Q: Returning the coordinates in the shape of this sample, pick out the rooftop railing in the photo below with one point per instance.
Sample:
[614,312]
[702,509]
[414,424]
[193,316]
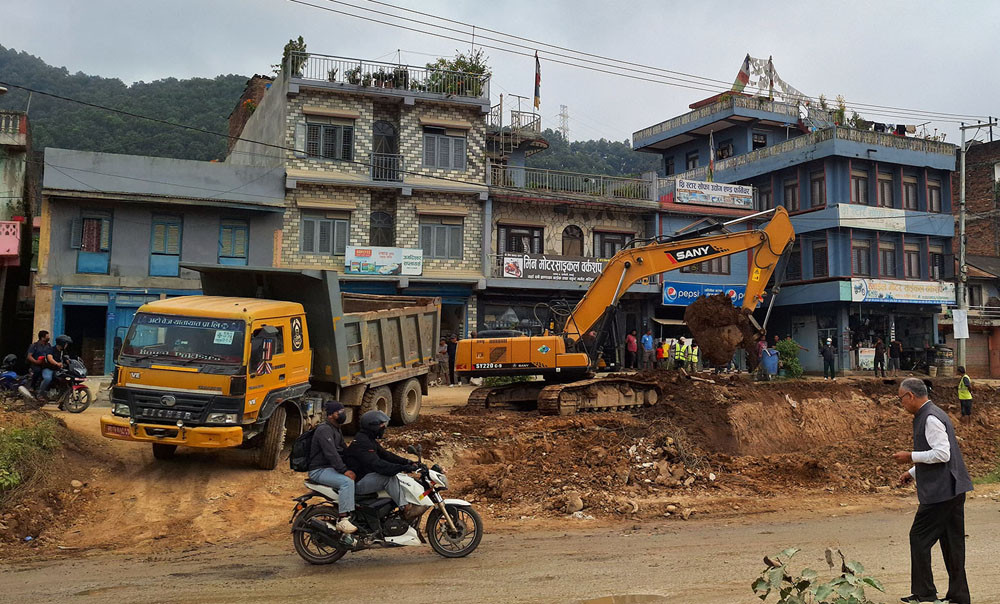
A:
[731,102]
[375,74]
[555,181]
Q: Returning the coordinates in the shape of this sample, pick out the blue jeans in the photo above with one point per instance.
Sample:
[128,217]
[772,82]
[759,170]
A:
[46,380]
[342,484]
[373,483]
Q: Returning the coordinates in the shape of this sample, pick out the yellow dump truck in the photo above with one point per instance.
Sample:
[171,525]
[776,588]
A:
[250,363]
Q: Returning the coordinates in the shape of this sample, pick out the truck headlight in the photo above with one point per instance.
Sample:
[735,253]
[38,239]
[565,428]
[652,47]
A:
[121,410]
[222,418]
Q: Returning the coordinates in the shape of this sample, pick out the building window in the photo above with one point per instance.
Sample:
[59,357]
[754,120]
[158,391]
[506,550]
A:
[234,242]
[791,195]
[691,160]
[887,259]
[165,247]
[759,140]
[321,235]
[936,263]
[725,150]
[975,295]
[933,196]
[817,189]
[766,198]
[91,234]
[520,240]
[572,241]
[381,230]
[861,258]
[793,270]
[607,245]
[884,192]
[330,141]
[859,188]
[909,194]
[821,263]
[668,166]
[442,237]
[716,266]
[911,262]
[442,150]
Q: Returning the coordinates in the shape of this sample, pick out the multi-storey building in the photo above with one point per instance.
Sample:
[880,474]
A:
[17,173]
[384,170]
[116,229]
[871,210]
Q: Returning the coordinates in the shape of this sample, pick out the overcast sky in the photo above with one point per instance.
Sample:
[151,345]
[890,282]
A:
[933,56]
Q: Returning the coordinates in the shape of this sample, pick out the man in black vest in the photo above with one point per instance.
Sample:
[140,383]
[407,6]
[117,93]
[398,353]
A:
[942,482]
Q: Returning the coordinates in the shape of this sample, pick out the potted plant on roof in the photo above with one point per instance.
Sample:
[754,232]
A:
[353,75]
[401,77]
[382,78]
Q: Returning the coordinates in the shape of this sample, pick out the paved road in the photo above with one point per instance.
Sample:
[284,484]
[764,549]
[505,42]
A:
[704,562]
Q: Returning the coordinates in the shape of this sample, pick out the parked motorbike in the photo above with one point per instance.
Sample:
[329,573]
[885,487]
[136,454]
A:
[10,381]
[453,528]
[68,388]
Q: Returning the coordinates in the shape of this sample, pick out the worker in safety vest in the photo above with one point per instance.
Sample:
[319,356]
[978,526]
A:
[681,351]
[693,357]
[965,396]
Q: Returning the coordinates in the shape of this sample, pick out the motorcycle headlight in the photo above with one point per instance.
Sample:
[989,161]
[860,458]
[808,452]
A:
[121,410]
[222,418]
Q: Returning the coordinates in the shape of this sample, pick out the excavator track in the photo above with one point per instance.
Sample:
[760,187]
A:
[597,394]
[521,395]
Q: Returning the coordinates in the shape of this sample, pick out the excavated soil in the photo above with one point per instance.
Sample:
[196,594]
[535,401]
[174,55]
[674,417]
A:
[720,328]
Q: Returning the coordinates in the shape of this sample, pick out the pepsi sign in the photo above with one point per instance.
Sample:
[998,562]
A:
[682,294]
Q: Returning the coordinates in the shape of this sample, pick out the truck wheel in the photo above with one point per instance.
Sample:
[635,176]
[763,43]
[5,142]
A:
[377,399]
[163,452]
[274,441]
[406,399]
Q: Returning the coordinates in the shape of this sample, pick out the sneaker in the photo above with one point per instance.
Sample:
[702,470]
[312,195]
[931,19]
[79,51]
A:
[345,526]
[919,599]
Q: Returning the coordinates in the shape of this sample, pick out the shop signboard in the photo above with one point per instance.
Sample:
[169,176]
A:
[676,293]
[871,217]
[866,359]
[698,192]
[906,292]
[383,261]
[552,268]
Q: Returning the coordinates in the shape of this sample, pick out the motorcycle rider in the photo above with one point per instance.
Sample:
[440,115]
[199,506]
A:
[36,357]
[326,463]
[376,468]
[53,360]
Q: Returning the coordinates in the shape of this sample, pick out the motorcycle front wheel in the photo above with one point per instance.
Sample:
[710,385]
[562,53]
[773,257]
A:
[78,400]
[461,543]
[307,546]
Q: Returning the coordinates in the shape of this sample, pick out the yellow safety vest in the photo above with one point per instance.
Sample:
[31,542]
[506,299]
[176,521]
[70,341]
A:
[693,356]
[683,353]
[963,391]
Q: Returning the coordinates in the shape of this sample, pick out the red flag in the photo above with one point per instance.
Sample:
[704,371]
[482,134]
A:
[538,81]
[743,77]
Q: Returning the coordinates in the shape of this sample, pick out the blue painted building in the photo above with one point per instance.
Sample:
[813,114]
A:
[871,210]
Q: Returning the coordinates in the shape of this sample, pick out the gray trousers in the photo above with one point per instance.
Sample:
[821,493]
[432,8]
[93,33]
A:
[373,483]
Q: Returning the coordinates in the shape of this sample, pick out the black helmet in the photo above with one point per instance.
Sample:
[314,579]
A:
[374,422]
[64,341]
[9,361]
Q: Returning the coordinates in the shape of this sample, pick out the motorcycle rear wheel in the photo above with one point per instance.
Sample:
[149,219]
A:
[78,400]
[470,527]
[312,550]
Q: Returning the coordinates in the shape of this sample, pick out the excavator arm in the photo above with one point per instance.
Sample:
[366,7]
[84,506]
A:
[633,264]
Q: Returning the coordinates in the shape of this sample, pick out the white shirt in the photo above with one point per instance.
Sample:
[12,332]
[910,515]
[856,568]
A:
[937,438]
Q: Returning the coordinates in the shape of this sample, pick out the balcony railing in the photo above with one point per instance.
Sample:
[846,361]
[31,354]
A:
[554,181]
[10,242]
[387,166]
[526,121]
[375,74]
[731,102]
[13,128]
[985,312]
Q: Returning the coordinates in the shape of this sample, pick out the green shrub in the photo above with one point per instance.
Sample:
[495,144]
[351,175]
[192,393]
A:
[20,448]
[846,588]
[788,355]
[503,380]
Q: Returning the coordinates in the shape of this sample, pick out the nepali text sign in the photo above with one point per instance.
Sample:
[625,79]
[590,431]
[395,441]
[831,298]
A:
[681,294]
[554,268]
[383,261]
[907,292]
[713,194]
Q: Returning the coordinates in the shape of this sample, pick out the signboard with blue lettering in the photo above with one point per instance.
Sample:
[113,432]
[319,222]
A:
[682,294]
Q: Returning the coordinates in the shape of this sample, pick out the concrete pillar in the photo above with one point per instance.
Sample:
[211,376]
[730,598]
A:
[843,334]
[515,167]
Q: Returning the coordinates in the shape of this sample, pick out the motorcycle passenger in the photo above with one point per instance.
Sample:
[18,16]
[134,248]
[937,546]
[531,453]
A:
[375,467]
[55,359]
[326,463]
[36,357]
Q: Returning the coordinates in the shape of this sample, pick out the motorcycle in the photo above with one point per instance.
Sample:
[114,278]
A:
[10,381]
[68,388]
[453,528]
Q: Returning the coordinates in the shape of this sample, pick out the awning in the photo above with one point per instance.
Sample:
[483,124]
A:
[669,321]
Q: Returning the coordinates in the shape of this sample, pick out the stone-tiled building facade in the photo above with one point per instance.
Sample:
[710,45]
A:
[397,164]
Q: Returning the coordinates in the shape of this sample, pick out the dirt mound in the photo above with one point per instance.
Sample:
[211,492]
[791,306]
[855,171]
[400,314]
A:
[720,328]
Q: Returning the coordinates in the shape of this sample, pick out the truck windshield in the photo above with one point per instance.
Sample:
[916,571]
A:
[194,340]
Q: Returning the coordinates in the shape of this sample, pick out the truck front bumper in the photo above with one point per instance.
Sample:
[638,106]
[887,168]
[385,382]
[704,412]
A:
[203,436]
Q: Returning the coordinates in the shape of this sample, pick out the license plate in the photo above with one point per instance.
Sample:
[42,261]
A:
[118,430]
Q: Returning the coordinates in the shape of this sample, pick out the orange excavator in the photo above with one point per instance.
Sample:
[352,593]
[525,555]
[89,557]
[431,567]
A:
[567,358]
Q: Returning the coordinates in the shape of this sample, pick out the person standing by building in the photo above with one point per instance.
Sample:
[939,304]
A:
[647,349]
[965,396]
[895,357]
[659,354]
[631,349]
[452,348]
[879,356]
[829,353]
[680,353]
[942,482]
[442,362]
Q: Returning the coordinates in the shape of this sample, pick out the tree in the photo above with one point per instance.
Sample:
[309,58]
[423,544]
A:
[298,59]
[442,78]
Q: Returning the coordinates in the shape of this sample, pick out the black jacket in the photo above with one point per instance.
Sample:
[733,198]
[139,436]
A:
[365,456]
[828,353]
[327,449]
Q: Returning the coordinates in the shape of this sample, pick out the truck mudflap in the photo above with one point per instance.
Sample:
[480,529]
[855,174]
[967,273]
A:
[203,436]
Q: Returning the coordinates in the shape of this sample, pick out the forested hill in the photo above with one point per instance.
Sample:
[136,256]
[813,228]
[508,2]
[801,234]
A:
[592,157]
[201,102]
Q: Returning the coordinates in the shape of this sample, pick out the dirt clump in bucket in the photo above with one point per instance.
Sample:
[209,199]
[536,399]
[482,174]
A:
[720,328]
